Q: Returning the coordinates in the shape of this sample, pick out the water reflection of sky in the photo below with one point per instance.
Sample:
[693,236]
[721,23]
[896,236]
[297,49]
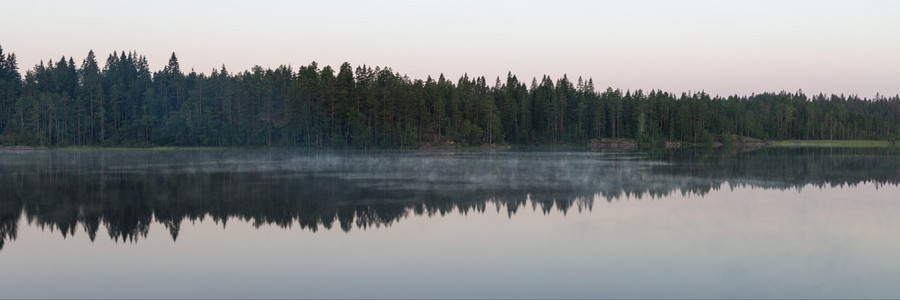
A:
[746,242]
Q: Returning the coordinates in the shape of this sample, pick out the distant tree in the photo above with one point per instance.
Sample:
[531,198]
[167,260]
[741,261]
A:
[124,103]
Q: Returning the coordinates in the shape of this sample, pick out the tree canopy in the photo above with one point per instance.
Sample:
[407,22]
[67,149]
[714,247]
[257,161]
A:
[124,103]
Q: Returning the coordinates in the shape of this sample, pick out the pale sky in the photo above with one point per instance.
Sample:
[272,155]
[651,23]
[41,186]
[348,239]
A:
[722,47]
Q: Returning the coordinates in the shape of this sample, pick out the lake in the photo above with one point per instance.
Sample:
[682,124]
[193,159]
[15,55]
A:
[693,223]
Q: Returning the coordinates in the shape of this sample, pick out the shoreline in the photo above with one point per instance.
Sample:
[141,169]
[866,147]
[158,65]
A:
[774,144]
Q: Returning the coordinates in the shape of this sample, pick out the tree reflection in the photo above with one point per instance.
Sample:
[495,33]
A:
[124,192]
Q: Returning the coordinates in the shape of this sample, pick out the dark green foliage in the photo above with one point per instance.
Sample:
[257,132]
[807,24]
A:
[60,104]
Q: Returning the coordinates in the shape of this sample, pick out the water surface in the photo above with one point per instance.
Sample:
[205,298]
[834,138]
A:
[692,223]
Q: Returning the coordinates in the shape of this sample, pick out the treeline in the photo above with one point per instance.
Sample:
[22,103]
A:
[124,103]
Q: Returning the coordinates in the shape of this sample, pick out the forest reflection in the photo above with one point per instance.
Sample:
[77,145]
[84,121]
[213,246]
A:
[125,191]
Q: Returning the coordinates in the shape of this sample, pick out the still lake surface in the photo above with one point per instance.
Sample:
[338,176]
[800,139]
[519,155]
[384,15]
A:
[779,222]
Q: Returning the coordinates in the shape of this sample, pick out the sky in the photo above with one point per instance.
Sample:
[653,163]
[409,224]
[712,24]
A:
[721,47]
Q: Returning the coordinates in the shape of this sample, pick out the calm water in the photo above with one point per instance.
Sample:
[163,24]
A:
[698,223]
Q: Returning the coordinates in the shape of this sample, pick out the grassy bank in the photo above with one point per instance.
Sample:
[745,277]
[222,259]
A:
[832,143]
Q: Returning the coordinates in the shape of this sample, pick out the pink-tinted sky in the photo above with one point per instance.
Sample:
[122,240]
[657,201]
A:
[722,47]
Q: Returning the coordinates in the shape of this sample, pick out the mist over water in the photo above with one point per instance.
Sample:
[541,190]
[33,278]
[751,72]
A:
[767,223]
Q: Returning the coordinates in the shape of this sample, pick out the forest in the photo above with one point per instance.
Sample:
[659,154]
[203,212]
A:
[124,104]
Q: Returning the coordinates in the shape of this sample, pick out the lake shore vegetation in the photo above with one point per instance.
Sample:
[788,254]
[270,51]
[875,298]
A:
[122,103]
